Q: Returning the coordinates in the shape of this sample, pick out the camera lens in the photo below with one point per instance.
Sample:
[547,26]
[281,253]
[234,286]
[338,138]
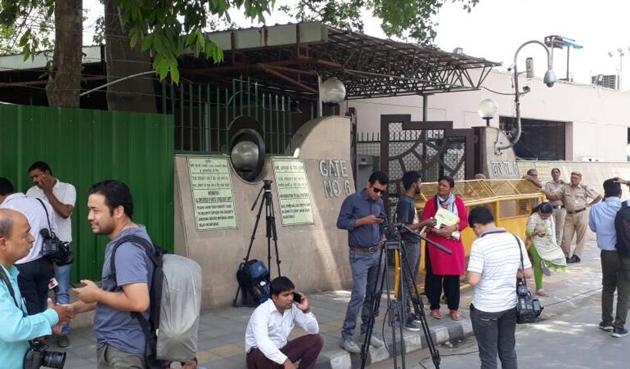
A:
[54,359]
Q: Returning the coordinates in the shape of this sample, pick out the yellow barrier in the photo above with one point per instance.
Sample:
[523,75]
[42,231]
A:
[511,202]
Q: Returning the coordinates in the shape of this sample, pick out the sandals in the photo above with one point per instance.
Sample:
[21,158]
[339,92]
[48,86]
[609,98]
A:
[436,314]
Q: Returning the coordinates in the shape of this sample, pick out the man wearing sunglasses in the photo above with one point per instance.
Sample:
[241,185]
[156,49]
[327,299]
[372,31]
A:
[362,215]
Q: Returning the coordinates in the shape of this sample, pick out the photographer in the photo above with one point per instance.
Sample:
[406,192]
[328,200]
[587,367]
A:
[16,327]
[61,197]
[362,215]
[268,330]
[35,270]
[493,266]
[407,214]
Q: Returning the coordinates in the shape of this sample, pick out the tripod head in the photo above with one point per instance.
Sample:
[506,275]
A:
[394,232]
[265,188]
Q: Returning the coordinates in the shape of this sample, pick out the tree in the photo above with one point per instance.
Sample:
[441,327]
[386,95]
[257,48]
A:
[169,28]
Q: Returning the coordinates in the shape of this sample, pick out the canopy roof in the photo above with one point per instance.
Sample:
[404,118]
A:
[290,57]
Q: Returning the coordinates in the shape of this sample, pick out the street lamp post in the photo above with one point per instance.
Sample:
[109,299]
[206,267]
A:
[620,71]
[487,109]
[549,79]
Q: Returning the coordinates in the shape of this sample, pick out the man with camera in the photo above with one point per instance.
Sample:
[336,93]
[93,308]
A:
[35,268]
[362,215]
[407,214]
[62,197]
[266,337]
[18,330]
[493,268]
[121,342]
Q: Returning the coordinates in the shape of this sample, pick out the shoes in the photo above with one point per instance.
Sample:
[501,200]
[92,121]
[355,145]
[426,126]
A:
[541,292]
[573,259]
[455,315]
[350,346]
[619,332]
[63,341]
[411,325]
[606,327]
[374,341]
[436,314]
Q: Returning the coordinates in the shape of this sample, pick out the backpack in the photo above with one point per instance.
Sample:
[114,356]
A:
[175,304]
[253,280]
[622,228]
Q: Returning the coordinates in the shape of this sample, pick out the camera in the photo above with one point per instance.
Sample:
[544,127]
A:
[54,249]
[528,308]
[38,356]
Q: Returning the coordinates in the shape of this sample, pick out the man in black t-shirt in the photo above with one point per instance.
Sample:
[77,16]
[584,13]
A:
[407,214]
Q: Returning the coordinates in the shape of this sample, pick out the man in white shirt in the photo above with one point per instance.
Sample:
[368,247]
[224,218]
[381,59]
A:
[62,197]
[35,270]
[493,266]
[266,338]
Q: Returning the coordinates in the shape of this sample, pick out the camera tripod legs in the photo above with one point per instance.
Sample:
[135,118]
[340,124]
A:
[395,315]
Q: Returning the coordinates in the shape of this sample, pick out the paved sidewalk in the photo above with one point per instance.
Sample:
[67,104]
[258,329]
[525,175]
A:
[221,332]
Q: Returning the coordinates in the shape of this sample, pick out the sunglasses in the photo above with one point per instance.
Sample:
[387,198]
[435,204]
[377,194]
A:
[378,190]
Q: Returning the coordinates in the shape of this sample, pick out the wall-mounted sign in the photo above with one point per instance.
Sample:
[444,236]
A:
[212,192]
[293,194]
[503,170]
[335,176]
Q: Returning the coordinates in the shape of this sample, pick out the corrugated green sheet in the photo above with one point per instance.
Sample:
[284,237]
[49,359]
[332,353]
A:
[87,146]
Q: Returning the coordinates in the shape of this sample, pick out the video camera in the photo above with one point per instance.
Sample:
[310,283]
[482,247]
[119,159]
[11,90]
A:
[38,356]
[54,249]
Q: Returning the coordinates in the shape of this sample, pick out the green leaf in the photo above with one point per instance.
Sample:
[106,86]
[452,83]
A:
[175,74]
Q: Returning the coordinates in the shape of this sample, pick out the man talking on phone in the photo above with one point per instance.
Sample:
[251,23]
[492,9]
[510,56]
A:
[361,215]
[266,338]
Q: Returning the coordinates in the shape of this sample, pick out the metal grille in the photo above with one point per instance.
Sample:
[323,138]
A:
[203,114]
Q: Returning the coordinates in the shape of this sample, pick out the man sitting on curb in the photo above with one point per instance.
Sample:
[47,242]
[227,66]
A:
[270,326]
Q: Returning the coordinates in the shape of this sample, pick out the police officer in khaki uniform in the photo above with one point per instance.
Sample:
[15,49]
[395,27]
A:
[559,212]
[574,198]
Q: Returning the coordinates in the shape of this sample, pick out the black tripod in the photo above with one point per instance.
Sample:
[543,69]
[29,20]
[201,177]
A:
[395,316]
[270,224]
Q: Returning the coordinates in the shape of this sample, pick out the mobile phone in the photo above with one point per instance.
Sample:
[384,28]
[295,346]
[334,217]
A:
[381,216]
[297,297]
[77,285]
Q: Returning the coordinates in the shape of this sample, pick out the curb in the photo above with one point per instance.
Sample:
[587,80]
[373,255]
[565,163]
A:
[341,359]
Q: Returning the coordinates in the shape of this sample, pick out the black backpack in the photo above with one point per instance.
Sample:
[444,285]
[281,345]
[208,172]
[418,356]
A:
[253,279]
[622,228]
[151,326]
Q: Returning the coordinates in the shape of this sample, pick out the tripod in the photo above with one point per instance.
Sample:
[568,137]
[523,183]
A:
[270,227]
[395,315]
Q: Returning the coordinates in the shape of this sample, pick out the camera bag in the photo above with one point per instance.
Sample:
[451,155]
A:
[528,307]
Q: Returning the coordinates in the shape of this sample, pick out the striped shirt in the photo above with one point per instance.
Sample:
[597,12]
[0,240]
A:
[495,256]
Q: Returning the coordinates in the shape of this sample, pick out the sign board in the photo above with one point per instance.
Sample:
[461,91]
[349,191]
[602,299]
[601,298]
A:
[293,194]
[211,187]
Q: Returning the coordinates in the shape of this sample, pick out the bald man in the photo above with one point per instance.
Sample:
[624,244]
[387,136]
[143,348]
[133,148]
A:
[16,326]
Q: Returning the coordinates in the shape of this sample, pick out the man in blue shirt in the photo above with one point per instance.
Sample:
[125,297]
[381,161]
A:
[602,222]
[16,327]
[119,336]
[407,214]
[361,215]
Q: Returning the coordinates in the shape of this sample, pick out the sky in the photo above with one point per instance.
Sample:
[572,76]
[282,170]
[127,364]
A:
[496,28]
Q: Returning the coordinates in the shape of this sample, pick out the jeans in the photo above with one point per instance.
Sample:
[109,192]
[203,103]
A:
[615,276]
[33,282]
[495,336]
[412,252]
[365,274]
[62,296]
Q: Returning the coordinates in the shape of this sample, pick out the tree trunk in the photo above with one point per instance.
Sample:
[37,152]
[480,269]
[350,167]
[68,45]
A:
[64,80]
[135,94]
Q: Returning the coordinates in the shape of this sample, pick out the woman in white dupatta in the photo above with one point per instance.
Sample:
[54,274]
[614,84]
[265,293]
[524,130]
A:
[546,253]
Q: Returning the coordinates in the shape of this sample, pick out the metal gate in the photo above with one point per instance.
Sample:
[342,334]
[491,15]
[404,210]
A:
[431,148]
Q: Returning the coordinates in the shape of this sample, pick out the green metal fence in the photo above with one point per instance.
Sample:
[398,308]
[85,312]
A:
[87,146]
[203,112]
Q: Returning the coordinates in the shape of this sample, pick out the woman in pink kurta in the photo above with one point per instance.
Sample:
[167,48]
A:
[443,270]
